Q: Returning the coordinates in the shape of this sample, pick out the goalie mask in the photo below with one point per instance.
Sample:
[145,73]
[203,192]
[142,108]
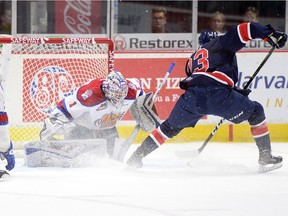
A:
[115,87]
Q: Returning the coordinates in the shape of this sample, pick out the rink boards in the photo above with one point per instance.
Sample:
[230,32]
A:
[269,88]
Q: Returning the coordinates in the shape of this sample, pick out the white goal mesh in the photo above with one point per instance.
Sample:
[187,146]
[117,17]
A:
[42,71]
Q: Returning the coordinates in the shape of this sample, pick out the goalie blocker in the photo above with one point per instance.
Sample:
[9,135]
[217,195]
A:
[144,112]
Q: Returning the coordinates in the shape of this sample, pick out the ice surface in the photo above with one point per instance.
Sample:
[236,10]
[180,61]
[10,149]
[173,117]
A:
[222,181]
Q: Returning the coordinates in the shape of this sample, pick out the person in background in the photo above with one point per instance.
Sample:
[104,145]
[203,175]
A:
[217,23]
[159,20]
[5,22]
[251,14]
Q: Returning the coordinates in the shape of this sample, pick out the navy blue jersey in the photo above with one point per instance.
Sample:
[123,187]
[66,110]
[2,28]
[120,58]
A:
[215,62]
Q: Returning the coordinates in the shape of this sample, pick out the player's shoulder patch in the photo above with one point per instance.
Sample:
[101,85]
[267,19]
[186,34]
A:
[90,94]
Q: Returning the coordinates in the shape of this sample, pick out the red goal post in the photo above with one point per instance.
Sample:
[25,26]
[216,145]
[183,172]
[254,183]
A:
[41,71]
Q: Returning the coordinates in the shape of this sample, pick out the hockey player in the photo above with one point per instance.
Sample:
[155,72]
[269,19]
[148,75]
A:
[6,146]
[91,113]
[212,73]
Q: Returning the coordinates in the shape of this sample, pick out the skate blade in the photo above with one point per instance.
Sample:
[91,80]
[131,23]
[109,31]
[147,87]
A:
[269,167]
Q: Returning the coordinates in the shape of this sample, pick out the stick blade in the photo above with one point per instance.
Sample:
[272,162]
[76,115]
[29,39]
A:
[187,154]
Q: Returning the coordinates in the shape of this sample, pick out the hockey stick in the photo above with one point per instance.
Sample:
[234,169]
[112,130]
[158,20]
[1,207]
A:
[195,153]
[126,145]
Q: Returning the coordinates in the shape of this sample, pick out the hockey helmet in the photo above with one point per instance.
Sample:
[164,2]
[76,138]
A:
[115,87]
[207,36]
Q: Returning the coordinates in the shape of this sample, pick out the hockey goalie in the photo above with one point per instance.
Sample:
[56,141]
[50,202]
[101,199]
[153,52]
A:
[82,126]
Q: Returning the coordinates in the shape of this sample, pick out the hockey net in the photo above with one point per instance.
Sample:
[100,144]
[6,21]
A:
[41,71]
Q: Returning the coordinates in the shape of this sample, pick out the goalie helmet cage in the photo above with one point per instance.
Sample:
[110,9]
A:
[44,70]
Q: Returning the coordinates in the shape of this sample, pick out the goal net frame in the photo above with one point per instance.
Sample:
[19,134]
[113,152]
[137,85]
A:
[41,71]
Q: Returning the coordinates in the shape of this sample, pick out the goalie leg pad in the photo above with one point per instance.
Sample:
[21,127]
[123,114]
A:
[63,153]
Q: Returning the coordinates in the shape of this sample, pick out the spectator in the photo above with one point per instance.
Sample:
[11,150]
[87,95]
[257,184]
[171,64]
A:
[159,20]
[251,14]
[5,20]
[217,23]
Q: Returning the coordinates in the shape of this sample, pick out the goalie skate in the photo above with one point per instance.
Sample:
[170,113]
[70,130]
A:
[268,162]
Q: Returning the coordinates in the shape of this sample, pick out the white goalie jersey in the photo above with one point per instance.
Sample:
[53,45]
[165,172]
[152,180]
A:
[86,120]
[89,107]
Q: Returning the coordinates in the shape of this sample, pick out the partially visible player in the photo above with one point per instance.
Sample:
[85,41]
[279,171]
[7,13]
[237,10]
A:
[6,146]
[212,73]
[92,113]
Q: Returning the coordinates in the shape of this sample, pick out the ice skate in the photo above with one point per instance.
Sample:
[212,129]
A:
[9,156]
[268,162]
[142,151]
[3,175]
[135,160]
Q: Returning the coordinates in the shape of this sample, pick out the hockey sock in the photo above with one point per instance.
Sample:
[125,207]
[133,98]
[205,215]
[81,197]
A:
[263,143]
[146,147]
[261,135]
[152,142]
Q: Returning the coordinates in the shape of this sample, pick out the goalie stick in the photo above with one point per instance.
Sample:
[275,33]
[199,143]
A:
[196,152]
[126,145]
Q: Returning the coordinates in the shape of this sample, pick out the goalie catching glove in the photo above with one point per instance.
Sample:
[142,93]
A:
[142,111]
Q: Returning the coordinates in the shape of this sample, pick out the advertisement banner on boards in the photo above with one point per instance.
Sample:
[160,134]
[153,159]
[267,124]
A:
[168,41]
[149,41]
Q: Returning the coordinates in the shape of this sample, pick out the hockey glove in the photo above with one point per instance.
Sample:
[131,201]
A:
[51,127]
[143,112]
[276,38]
[244,92]
[184,84]
[9,156]
[60,117]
